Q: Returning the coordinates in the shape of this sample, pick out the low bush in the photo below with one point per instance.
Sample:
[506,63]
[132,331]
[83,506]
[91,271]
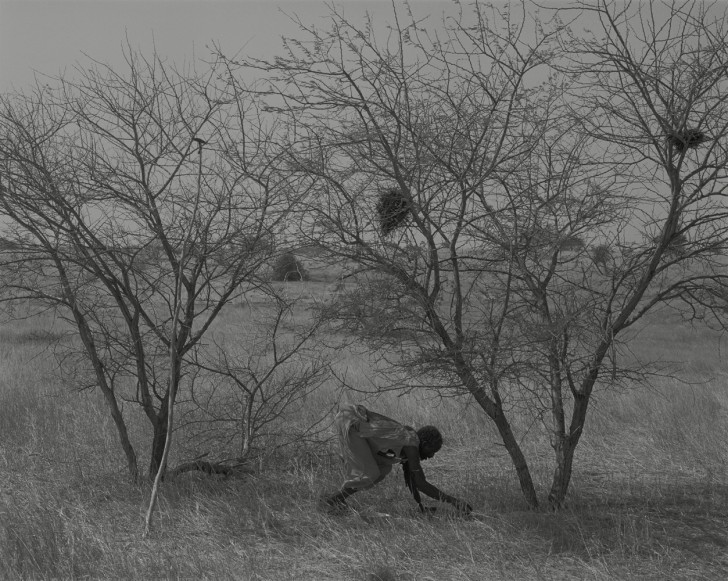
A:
[288,268]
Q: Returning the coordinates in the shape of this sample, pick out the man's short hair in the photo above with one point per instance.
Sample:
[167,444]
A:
[430,436]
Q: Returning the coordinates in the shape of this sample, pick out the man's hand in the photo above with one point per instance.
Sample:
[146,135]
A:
[461,506]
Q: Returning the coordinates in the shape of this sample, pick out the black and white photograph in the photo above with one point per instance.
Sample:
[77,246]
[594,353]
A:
[364,290]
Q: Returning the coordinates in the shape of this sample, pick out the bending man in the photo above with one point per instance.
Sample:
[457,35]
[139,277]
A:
[372,443]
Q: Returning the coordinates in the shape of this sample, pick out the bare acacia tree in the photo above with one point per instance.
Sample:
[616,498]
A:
[651,89]
[139,204]
[250,382]
[454,170]
[439,121]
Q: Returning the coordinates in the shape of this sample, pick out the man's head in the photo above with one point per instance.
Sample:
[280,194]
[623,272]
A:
[430,441]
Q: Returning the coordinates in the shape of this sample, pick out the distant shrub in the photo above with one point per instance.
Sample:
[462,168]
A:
[288,268]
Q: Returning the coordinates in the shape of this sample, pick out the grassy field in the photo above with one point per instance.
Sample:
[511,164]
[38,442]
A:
[649,498]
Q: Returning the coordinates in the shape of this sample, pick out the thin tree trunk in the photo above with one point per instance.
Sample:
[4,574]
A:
[565,444]
[560,442]
[165,429]
[518,459]
[562,473]
[247,430]
[492,408]
[116,415]
[159,438]
[89,344]
[495,412]
[174,354]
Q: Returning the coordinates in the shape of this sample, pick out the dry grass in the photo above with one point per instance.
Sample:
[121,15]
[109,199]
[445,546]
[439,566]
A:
[649,498]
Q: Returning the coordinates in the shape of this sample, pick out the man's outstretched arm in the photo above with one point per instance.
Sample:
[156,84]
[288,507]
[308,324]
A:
[417,478]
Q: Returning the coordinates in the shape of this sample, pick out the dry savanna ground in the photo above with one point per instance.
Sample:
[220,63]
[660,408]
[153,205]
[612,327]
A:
[649,498]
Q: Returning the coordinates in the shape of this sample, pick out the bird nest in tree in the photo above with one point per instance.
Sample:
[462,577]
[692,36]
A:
[393,209]
[687,139]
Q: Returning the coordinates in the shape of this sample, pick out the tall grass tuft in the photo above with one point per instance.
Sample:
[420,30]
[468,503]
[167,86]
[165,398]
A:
[42,537]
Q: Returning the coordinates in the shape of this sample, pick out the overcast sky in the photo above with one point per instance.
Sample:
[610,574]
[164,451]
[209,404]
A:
[49,36]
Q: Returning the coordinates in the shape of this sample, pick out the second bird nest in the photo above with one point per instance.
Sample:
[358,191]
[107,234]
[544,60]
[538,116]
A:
[687,139]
